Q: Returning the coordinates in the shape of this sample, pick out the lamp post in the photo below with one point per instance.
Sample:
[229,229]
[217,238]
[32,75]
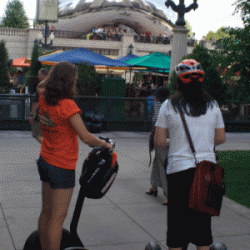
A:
[48,37]
[179,45]
[181,9]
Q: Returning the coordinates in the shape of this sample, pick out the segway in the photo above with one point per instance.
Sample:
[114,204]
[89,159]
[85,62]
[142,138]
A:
[152,245]
[98,173]
[218,246]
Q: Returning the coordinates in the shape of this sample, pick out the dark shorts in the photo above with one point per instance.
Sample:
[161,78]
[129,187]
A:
[184,225]
[58,178]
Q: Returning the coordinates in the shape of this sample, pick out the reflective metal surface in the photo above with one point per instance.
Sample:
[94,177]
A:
[138,15]
[68,7]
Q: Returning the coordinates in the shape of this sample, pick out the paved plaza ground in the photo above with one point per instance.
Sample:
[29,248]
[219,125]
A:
[126,218]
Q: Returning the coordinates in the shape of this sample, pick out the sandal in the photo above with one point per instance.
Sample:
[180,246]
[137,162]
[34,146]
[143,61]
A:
[164,203]
[152,191]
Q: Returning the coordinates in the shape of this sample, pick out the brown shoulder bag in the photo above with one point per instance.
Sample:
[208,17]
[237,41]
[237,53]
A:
[208,187]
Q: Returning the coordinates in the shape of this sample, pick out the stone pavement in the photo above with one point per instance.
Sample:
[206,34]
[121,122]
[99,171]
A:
[125,219]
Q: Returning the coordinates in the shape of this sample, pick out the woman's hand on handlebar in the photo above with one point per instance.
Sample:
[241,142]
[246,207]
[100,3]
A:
[107,145]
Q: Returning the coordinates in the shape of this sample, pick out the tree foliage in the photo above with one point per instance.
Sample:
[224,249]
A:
[15,16]
[4,79]
[219,34]
[235,59]
[88,82]
[210,35]
[243,6]
[35,65]
[31,80]
[189,28]
[212,84]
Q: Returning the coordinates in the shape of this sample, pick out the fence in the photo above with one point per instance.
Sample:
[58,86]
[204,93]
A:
[119,114]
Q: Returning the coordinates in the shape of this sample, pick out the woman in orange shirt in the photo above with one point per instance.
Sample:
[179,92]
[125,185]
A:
[61,124]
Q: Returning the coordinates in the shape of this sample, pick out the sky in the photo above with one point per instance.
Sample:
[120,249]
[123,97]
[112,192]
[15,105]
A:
[210,15]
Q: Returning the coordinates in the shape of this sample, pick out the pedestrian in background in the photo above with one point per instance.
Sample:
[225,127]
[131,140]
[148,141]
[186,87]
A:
[34,121]
[19,79]
[158,174]
[61,124]
[205,122]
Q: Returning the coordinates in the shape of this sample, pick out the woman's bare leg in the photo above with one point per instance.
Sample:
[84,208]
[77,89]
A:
[45,215]
[39,139]
[60,200]
[203,247]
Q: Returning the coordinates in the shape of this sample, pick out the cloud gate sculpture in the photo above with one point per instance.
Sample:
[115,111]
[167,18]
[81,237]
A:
[138,15]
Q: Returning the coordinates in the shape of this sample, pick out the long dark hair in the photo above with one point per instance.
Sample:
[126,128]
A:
[60,83]
[192,99]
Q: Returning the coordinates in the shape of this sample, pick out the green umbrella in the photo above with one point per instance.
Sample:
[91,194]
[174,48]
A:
[157,61]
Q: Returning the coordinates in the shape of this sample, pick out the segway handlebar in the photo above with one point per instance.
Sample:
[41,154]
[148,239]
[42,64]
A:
[110,141]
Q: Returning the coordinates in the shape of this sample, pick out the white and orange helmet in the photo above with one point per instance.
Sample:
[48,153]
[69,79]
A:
[189,69]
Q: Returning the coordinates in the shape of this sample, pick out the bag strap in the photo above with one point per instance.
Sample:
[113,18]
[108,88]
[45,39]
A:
[187,132]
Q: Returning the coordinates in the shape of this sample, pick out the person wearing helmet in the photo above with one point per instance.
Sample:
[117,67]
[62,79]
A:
[206,126]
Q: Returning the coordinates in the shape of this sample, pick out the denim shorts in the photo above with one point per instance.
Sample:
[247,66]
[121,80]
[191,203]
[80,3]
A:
[58,178]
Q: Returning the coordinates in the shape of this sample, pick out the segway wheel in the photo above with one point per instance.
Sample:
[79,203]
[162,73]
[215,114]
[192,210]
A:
[32,242]
[68,241]
[152,246]
[75,248]
[218,246]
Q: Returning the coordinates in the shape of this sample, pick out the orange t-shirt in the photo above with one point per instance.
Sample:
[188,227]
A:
[60,140]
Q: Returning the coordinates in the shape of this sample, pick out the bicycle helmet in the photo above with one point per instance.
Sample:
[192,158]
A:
[189,69]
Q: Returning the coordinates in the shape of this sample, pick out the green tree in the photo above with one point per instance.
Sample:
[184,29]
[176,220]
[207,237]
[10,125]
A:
[15,16]
[35,65]
[189,28]
[210,35]
[221,33]
[213,83]
[4,79]
[235,60]
[31,79]
[243,6]
[88,82]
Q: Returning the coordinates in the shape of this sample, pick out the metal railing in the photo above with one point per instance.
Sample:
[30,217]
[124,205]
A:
[88,36]
[116,37]
[18,106]
[15,108]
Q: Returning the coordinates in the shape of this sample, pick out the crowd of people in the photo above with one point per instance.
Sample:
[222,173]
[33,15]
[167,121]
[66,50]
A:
[17,79]
[107,34]
[148,38]
[60,125]
[116,33]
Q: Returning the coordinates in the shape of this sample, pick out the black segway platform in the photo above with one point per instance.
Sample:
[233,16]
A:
[98,173]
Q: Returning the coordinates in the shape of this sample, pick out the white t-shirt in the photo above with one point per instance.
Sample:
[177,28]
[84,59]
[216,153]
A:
[202,130]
